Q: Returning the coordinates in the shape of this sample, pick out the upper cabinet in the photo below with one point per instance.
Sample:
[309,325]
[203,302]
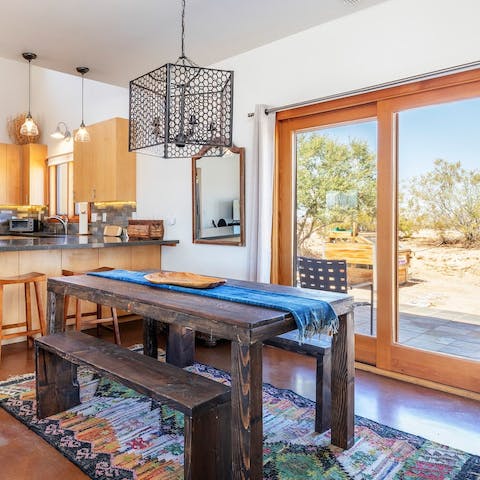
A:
[22,174]
[34,176]
[104,169]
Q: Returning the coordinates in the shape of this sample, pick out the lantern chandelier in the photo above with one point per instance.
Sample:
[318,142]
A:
[177,109]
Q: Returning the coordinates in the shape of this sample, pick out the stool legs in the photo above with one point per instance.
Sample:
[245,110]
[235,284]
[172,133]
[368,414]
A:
[28,314]
[26,279]
[1,319]
[116,329]
[41,311]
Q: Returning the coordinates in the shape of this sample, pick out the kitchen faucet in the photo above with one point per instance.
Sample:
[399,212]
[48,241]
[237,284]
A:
[62,220]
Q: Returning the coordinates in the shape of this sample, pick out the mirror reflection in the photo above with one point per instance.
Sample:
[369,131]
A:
[218,203]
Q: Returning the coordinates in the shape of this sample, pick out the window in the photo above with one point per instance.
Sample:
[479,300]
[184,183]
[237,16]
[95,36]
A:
[60,186]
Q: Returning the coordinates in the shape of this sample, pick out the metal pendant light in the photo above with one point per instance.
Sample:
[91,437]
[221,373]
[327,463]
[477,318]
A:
[29,127]
[177,109]
[82,134]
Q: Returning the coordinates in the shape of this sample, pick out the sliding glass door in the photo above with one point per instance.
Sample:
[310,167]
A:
[389,181]
[336,203]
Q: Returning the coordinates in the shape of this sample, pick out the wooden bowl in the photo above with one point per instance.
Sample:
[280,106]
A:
[184,279]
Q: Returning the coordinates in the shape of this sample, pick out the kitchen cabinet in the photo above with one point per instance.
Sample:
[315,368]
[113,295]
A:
[104,169]
[34,175]
[10,175]
[22,174]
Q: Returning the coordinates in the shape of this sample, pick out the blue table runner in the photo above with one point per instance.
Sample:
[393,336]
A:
[311,315]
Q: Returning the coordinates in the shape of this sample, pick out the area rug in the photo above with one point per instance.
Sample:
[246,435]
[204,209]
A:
[119,434]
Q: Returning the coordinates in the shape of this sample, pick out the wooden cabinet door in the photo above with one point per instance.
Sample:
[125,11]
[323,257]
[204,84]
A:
[103,141]
[104,169]
[15,193]
[83,172]
[34,166]
[3,173]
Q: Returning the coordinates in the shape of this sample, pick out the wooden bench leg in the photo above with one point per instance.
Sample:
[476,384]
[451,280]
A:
[57,385]
[208,454]
[323,399]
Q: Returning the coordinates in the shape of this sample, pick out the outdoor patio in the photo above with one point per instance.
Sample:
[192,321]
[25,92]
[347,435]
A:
[431,329]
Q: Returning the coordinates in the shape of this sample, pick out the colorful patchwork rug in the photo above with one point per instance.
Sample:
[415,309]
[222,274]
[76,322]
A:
[119,434]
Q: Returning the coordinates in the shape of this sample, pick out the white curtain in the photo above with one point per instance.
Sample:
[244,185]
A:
[259,181]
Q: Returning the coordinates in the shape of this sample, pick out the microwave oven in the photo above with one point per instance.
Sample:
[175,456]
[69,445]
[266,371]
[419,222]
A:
[24,225]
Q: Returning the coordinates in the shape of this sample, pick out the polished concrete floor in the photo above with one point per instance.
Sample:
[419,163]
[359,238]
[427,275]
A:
[438,416]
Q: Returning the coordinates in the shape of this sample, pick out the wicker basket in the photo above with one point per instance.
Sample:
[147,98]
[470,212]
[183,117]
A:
[13,127]
[145,229]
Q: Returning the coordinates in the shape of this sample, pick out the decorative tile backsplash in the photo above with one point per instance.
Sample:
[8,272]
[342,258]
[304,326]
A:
[115,213]
[6,213]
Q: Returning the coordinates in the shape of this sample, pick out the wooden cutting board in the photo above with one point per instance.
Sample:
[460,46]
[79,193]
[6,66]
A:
[112,231]
[184,279]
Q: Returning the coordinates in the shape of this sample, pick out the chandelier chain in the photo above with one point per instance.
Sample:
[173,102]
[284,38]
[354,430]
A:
[183,29]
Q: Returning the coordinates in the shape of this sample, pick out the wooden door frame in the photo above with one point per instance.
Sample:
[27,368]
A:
[382,351]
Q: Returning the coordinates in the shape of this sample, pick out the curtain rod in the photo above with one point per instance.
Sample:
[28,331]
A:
[380,86]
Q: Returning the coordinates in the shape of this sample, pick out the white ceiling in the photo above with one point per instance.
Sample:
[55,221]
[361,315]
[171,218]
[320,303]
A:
[122,39]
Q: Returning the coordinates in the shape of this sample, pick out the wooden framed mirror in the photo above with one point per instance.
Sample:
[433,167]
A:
[218,203]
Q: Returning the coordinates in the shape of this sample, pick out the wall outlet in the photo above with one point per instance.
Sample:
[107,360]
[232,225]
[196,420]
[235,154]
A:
[104,217]
[171,221]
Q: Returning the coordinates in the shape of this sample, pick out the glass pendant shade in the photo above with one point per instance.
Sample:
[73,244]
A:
[29,127]
[82,134]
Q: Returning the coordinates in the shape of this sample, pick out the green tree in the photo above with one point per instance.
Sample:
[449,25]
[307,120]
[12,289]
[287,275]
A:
[325,166]
[447,198]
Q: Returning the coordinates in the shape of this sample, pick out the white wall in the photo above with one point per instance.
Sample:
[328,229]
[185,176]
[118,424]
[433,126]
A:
[392,40]
[389,41]
[55,97]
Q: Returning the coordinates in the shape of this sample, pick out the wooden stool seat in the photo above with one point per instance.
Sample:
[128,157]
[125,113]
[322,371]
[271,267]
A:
[98,320]
[26,279]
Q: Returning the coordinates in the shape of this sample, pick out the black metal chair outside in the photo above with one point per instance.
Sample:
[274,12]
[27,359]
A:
[330,275]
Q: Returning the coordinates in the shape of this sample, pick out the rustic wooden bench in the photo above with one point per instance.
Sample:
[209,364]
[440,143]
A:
[320,348]
[205,403]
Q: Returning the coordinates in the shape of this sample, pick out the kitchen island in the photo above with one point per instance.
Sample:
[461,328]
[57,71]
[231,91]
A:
[25,253]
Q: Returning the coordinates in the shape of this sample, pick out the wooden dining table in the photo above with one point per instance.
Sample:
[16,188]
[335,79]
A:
[245,326]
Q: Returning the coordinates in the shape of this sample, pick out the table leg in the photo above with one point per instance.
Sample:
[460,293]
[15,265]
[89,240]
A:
[55,319]
[247,426]
[180,346]
[343,383]
[150,340]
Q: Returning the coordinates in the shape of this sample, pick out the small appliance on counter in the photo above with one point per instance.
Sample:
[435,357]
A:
[25,225]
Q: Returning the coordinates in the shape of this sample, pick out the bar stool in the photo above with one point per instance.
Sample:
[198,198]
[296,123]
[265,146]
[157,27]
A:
[26,279]
[79,321]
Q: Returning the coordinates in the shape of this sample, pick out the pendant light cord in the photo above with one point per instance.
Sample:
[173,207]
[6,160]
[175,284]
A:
[29,85]
[83,77]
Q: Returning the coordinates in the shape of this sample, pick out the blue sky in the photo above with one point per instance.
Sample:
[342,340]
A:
[450,131]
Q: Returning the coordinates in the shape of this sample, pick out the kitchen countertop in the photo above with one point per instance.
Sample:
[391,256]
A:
[9,242]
